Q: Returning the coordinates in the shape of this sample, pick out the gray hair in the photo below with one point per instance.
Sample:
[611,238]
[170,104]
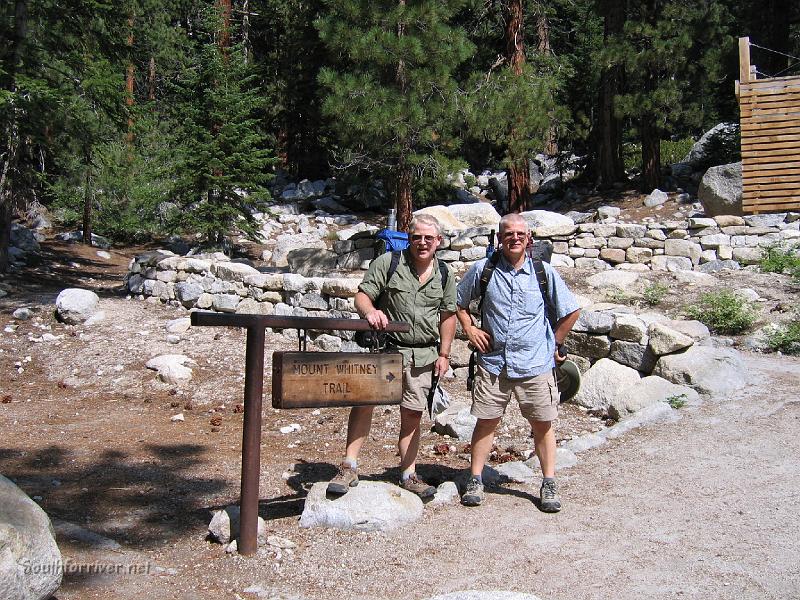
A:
[512,217]
[425,219]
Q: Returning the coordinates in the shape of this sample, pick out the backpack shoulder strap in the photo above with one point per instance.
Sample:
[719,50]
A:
[393,265]
[541,279]
[486,275]
[443,272]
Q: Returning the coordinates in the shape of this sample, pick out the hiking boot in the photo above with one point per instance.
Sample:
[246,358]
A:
[548,497]
[416,486]
[473,494]
[346,478]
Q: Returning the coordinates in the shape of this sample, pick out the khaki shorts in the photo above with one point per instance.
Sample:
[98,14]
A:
[537,396]
[416,385]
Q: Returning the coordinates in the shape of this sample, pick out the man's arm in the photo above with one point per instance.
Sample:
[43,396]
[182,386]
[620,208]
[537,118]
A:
[376,317]
[563,327]
[476,336]
[447,331]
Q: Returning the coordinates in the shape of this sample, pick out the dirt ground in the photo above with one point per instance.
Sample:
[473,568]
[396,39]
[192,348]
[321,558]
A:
[701,508]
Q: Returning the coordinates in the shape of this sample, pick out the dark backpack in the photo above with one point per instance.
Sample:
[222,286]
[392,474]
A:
[375,339]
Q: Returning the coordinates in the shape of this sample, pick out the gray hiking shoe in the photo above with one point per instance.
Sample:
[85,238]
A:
[473,494]
[548,497]
[346,478]
[416,486]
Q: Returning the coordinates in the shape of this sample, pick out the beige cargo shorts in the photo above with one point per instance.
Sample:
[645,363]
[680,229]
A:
[537,396]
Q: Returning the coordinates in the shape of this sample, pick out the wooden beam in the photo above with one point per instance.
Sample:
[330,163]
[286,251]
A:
[744,59]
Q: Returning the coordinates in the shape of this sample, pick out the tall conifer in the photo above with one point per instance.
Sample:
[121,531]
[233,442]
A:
[392,96]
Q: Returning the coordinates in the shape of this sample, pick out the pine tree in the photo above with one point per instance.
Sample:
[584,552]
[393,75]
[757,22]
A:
[223,159]
[391,96]
[662,48]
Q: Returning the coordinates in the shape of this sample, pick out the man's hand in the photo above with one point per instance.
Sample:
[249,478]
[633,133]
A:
[560,358]
[441,366]
[479,338]
[377,319]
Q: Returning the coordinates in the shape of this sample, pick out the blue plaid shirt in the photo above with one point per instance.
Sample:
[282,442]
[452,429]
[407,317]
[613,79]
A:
[514,315]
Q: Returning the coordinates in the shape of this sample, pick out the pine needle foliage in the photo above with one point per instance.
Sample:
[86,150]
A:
[223,160]
[391,94]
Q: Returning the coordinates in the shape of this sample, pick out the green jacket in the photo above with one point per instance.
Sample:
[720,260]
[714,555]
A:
[418,305]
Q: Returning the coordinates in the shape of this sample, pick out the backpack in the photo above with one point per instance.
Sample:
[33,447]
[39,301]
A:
[389,240]
[375,339]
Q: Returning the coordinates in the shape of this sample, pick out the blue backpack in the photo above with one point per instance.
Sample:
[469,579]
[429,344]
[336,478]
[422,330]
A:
[389,240]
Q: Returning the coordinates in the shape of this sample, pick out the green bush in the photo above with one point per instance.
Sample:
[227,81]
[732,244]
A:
[654,294]
[675,151]
[778,259]
[724,312]
[785,339]
[677,401]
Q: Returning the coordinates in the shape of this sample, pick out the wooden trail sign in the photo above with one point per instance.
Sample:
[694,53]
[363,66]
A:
[327,379]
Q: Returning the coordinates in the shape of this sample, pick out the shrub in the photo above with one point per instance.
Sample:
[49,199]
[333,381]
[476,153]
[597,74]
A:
[724,312]
[654,294]
[777,259]
[677,401]
[785,339]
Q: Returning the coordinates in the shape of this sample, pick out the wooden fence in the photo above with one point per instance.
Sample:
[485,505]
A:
[770,127]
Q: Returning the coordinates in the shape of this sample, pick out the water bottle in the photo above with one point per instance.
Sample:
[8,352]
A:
[391,222]
[490,248]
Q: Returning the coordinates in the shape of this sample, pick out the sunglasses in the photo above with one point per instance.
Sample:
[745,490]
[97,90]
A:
[428,239]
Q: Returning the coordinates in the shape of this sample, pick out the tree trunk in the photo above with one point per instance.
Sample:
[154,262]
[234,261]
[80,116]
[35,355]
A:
[88,201]
[401,195]
[129,85]
[517,173]
[225,27]
[608,137]
[246,30]
[651,154]
[543,47]
[11,136]
[403,176]
[151,80]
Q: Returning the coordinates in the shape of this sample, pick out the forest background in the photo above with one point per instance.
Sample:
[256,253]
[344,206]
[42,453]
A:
[137,118]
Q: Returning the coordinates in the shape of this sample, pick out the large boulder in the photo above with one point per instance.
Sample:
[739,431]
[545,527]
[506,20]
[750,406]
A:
[446,218]
[600,383]
[370,506]
[29,556]
[714,371]
[288,242]
[475,215]
[720,190]
[715,144]
[74,305]
[23,238]
[312,262]
[645,392]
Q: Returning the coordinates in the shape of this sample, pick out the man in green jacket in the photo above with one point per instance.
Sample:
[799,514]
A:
[415,294]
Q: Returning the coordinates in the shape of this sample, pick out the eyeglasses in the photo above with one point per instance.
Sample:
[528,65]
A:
[428,239]
[514,234]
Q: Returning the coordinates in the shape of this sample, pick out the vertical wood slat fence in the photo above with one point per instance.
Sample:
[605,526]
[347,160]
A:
[770,128]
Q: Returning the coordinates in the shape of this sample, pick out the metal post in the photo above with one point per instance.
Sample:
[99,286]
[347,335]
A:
[251,440]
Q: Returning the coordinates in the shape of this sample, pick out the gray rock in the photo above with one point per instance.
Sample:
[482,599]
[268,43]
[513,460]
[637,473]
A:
[29,554]
[585,442]
[660,411]
[599,384]
[22,314]
[594,321]
[226,302]
[312,262]
[23,238]
[608,212]
[188,292]
[618,279]
[665,340]
[565,458]
[514,470]
[645,392]
[772,220]
[634,355]
[628,328]
[709,370]
[455,421]
[171,368]
[694,329]
[288,242]
[590,346]
[701,149]
[671,263]
[695,278]
[720,190]
[371,506]
[224,526]
[74,305]
[446,493]
[656,198]
[475,215]
[715,266]
[181,325]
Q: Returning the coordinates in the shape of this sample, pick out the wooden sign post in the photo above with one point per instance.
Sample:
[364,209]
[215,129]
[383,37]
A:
[305,379]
